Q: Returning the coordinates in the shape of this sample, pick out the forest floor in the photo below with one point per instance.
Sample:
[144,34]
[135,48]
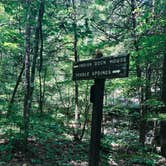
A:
[50,144]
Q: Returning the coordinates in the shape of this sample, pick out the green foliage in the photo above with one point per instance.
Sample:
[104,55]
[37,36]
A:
[105,25]
[154,104]
[142,161]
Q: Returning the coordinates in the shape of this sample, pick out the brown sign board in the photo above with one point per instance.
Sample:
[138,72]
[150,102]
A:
[102,68]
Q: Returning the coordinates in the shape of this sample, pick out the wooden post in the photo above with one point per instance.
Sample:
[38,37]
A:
[97,95]
[97,111]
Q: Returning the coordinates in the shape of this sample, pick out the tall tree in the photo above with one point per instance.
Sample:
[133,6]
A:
[41,86]
[38,36]
[27,72]
[76,136]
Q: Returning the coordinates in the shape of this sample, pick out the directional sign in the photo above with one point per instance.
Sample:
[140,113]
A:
[105,67]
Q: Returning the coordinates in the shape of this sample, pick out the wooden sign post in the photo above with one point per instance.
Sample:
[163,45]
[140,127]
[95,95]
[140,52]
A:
[96,121]
[99,69]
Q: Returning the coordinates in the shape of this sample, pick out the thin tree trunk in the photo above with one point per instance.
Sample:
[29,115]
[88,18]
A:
[148,82]
[15,90]
[60,93]
[85,121]
[87,106]
[65,106]
[41,96]
[42,91]
[27,75]
[36,47]
[76,137]
[163,98]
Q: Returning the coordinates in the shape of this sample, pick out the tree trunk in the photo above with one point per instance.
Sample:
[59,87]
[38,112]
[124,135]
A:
[76,136]
[36,47]
[42,92]
[86,112]
[15,90]
[147,94]
[41,96]
[27,75]
[148,82]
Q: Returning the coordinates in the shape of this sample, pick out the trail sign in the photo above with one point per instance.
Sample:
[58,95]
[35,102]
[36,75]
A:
[99,69]
[105,67]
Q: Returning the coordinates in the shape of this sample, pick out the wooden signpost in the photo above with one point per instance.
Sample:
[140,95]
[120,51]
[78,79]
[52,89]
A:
[99,69]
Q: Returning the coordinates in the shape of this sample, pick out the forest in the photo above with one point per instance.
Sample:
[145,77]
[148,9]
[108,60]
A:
[48,117]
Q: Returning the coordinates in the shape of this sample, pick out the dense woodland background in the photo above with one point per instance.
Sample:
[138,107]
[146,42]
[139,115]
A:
[45,117]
